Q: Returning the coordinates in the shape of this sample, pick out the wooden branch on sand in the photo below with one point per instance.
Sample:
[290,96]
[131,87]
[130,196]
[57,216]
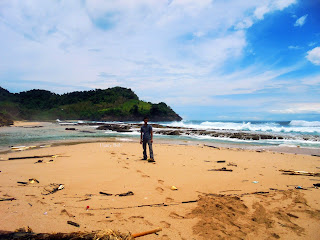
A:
[302,173]
[23,234]
[136,235]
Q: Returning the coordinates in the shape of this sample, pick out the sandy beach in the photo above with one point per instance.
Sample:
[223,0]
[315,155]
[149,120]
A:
[253,201]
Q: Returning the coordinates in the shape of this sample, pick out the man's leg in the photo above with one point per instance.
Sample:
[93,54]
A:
[144,145]
[150,149]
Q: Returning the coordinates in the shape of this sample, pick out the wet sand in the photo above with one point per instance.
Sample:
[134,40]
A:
[207,204]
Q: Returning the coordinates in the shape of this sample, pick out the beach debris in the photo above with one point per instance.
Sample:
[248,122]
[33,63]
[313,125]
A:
[7,199]
[221,161]
[24,183]
[70,129]
[87,208]
[104,193]
[174,188]
[221,169]
[73,223]
[129,193]
[30,181]
[291,215]
[25,230]
[82,200]
[52,188]
[45,146]
[211,146]
[33,180]
[255,181]
[94,235]
[45,213]
[28,157]
[260,192]
[39,161]
[298,187]
[136,235]
[232,164]
[316,184]
[302,173]
[21,148]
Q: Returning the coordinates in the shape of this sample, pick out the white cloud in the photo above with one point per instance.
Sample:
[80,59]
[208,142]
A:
[301,21]
[148,45]
[294,47]
[313,80]
[314,56]
[308,107]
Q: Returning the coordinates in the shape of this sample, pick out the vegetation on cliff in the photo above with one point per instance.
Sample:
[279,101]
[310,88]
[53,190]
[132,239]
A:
[118,104]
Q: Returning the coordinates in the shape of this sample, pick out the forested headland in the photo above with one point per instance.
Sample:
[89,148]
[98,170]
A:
[112,104]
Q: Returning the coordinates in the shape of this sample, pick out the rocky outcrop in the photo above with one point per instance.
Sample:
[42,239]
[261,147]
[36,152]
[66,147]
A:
[115,127]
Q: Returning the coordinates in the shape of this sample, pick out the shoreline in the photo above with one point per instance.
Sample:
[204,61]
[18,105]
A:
[251,191]
[158,139]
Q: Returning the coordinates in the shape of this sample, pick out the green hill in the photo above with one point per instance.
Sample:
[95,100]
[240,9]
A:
[112,104]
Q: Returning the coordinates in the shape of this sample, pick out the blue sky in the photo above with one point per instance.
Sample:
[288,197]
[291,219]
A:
[220,60]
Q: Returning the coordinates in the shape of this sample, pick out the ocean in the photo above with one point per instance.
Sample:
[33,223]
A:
[295,133]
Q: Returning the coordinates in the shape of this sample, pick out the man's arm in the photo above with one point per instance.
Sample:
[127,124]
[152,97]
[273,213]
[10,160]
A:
[151,131]
[141,137]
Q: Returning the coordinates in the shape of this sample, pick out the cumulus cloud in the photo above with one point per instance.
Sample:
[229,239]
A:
[314,56]
[153,46]
[301,21]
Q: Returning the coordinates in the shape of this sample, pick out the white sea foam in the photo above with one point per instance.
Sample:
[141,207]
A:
[294,126]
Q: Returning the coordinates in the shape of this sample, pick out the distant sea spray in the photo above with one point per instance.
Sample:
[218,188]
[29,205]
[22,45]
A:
[294,126]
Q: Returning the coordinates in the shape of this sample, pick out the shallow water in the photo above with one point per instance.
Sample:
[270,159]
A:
[55,132]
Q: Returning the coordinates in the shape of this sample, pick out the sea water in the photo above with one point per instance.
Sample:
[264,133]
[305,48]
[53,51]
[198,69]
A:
[294,133]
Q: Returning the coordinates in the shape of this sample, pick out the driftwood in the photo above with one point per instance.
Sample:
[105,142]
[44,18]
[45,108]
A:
[101,235]
[43,156]
[22,234]
[7,199]
[136,235]
[221,169]
[302,173]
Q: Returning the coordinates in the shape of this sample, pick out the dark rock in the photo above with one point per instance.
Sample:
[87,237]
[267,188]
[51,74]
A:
[70,129]
[174,133]
[115,127]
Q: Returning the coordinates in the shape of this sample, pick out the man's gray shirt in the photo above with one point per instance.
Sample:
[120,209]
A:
[146,132]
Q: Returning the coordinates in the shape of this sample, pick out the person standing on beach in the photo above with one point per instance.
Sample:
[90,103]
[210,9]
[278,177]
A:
[146,137]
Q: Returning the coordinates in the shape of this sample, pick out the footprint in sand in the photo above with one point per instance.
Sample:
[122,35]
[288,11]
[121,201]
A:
[159,189]
[164,224]
[135,218]
[145,176]
[165,237]
[147,222]
[160,181]
[170,200]
[175,215]
[138,171]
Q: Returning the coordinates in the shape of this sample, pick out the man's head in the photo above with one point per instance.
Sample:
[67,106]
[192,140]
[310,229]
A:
[145,119]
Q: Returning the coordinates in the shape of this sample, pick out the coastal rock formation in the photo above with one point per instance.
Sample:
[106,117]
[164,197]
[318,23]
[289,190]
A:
[179,131]
[115,127]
